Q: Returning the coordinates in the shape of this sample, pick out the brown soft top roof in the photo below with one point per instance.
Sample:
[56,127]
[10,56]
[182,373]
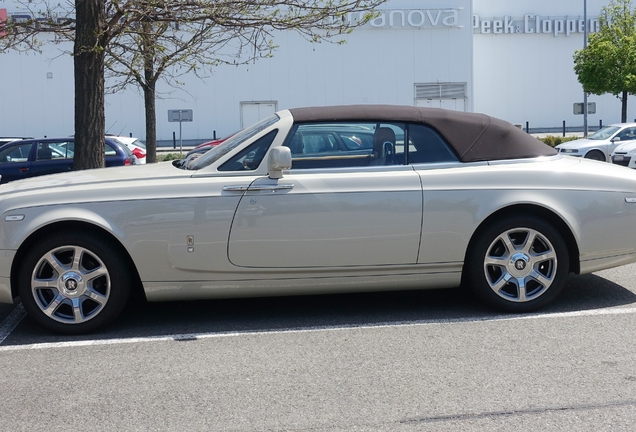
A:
[475,137]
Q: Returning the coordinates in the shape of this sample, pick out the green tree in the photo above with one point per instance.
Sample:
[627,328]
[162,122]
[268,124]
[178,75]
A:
[143,41]
[608,63]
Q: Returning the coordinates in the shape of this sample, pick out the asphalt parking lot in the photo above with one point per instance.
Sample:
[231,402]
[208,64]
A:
[420,360]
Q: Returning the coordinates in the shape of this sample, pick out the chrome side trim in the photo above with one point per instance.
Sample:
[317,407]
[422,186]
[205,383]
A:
[180,290]
[14,218]
[589,266]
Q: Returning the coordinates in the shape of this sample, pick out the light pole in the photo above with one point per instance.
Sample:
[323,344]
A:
[584,46]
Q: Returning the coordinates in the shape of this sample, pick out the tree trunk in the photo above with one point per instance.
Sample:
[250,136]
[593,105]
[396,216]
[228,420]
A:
[90,123]
[151,122]
[624,107]
[149,87]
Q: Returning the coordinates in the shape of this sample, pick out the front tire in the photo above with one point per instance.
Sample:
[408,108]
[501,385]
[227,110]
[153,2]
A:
[595,155]
[74,282]
[517,264]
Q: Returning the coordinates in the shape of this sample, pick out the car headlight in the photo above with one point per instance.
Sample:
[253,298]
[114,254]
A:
[569,150]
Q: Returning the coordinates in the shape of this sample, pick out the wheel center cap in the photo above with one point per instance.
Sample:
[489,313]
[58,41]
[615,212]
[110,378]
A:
[519,264]
[71,283]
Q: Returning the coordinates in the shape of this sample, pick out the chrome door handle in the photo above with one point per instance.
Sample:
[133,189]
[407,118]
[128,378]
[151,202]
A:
[235,188]
[271,188]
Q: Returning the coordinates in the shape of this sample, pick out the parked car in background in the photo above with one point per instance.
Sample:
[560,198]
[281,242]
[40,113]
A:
[134,145]
[625,155]
[440,198]
[601,144]
[4,140]
[204,147]
[36,157]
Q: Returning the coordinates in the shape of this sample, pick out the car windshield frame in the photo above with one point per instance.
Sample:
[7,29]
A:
[604,133]
[230,144]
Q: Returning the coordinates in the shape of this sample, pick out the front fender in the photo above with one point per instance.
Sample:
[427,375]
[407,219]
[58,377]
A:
[15,231]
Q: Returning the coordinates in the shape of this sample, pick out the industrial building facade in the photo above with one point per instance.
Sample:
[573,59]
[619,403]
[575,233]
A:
[508,59]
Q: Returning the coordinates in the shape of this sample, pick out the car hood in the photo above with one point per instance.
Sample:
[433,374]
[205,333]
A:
[581,144]
[98,176]
[626,148]
[103,184]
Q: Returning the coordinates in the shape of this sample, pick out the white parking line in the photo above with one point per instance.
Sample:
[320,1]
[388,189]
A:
[197,336]
[11,321]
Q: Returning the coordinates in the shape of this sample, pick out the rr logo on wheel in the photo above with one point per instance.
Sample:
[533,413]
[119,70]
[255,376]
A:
[520,264]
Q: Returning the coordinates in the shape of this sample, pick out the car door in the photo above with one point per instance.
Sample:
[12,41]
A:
[15,161]
[329,217]
[446,210]
[626,135]
[52,157]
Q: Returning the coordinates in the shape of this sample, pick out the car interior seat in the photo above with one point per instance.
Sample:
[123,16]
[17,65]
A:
[383,146]
[45,152]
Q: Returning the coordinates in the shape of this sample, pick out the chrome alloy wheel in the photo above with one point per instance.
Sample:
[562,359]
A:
[70,284]
[520,265]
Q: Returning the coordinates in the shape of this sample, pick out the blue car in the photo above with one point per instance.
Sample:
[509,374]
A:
[35,157]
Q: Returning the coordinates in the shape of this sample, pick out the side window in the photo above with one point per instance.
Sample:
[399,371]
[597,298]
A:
[54,150]
[109,150]
[357,141]
[16,153]
[627,134]
[427,146]
[345,144]
[251,157]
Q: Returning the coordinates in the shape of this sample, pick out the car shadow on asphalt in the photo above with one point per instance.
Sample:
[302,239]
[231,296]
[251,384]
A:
[142,319]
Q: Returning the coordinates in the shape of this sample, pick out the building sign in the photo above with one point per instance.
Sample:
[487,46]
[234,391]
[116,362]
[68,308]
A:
[410,18]
[387,18]
[578,108]
[534,24]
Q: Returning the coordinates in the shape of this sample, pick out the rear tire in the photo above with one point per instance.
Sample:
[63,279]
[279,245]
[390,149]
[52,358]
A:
[74,282]
[517,264]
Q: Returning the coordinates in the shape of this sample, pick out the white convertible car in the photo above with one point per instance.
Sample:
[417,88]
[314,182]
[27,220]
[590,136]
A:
[319,200]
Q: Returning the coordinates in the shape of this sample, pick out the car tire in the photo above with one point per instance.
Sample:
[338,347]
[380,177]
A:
[74,282]
[517,264]
[595,155]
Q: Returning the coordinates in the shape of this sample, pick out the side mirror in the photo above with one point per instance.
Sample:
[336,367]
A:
[616,139]
[279,159]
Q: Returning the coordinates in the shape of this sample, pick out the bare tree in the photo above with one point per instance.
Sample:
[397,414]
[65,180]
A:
[140,42]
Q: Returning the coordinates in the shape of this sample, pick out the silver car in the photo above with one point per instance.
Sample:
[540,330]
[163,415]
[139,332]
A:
[600,145]
[284,207]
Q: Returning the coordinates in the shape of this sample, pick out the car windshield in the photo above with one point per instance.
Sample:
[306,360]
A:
[139,144]
[604,133]
[195,163]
